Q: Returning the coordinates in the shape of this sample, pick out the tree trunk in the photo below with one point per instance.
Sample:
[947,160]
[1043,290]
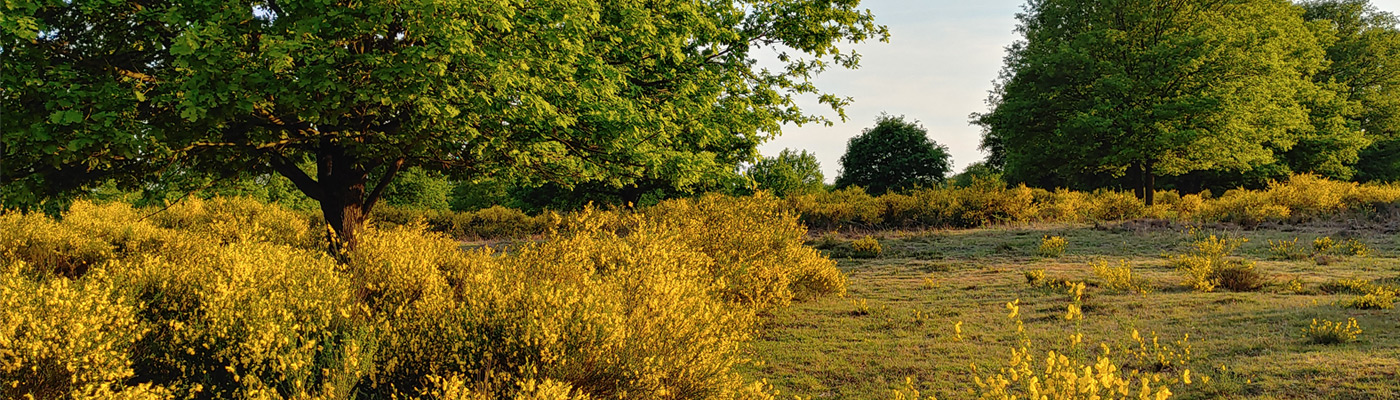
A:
[1149,184]
[340,187]
[1135,177]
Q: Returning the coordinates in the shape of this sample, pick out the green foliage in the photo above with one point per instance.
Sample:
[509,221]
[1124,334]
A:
[417,188]
[790,173]
[894,155]
[1141,89]
[1364,66]
[571,92]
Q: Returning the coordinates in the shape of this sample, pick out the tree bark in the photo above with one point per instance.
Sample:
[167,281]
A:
[341,187]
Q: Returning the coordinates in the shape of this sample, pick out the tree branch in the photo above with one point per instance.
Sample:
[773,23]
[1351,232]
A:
[383,183]
[287,168]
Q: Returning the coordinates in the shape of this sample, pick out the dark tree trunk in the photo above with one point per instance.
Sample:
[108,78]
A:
[1135,177]
[1149,187]
[341,185]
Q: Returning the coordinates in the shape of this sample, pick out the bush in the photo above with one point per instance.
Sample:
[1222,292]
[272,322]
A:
[1287,250]
[1120,278]
[1207,267]
[650,304]
[1051,247]
[1329,332]
[866,247]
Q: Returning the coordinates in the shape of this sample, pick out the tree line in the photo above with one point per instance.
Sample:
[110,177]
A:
[1197,93]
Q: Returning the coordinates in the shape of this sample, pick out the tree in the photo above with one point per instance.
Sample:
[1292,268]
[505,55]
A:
[1365,68]
[894,155]
[789,173]
[565,92]
[1147,88]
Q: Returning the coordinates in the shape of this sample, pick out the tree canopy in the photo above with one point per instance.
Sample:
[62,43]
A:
[564,92]
[1146,88]
[1364,69]
[895,154]
[789,173]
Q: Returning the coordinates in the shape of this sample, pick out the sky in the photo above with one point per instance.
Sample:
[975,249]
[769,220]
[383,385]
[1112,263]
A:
[937,69]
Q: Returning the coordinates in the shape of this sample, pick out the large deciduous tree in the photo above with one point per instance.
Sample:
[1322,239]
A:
[893,155]
[1149,88]
[1365,68]
[565,91]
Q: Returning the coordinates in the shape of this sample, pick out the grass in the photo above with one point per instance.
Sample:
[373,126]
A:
[1251,345]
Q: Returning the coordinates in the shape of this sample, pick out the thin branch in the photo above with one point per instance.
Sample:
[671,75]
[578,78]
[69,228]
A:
[383,183]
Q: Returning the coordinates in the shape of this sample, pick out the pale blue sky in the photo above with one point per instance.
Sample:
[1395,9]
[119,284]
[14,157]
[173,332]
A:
[937,69]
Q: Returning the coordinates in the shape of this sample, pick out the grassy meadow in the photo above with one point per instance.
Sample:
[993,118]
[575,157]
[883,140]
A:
[1281,293]
[896,326]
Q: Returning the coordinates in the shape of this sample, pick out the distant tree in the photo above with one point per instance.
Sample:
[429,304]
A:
[894,155]
[977,173]
[1146,88]
[789,173]
[566,92]
[1365,69]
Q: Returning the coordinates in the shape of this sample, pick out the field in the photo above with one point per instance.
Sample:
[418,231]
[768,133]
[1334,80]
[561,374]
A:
[898,319]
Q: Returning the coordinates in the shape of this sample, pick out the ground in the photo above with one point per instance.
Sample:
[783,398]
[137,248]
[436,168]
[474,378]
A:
[897,321]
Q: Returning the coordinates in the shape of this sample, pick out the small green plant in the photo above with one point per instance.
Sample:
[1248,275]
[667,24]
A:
[1051,247]
[1287,250]
[1119,278]
[866,247]
[1329,332]
[1035,277]
[1323,245]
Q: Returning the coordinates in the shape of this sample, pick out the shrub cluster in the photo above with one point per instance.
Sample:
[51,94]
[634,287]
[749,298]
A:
[1301,198]
[495,222]
[1208,266]
[219,299]
[1329,332]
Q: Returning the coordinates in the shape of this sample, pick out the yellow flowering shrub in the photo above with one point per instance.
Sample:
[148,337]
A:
[62,338]
[1329,332]
[240,219]
[1207,266]
[1057,375]
[866,247]
[1120,278]
[218,299]
[1051,246]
